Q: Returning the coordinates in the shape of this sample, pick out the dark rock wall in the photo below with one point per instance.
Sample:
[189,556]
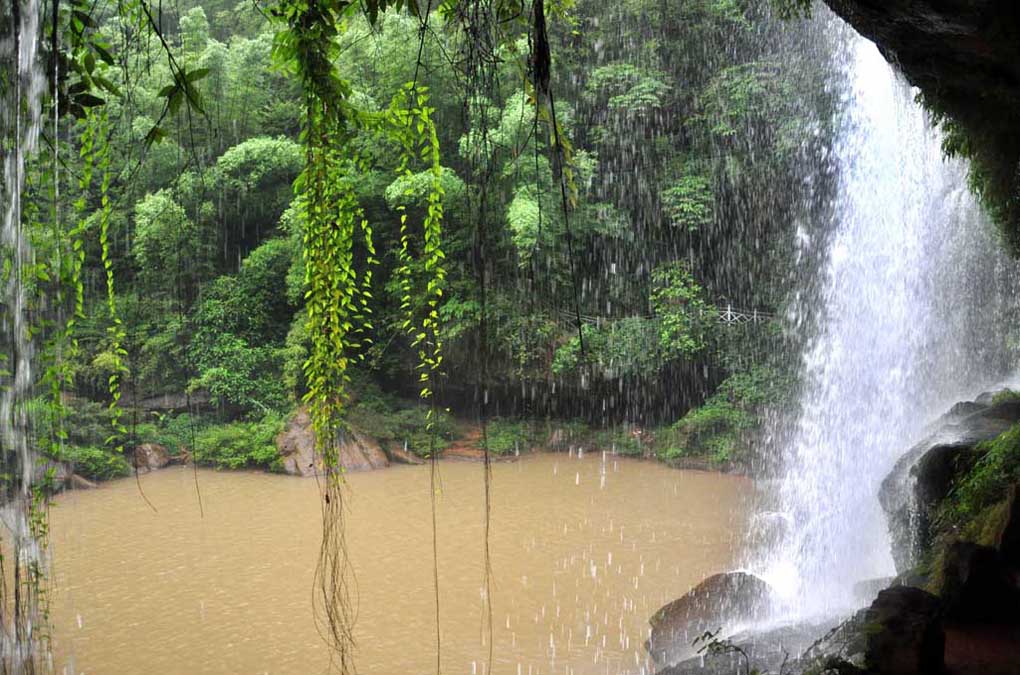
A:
[964,55]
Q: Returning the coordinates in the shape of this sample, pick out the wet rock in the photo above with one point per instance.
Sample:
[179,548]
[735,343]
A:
[57,474]
[150,457]
[395,451]
[841,650]
[986,398]
[1007,539]
[925,474]
[935,474]
[903,633]
[81,483]
[183,456]
[359,452]
[866,590]
[772,650]
[720,600]
[296,445]
[965,408]
[978,585]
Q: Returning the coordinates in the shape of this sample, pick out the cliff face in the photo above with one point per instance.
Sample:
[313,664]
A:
[964,55]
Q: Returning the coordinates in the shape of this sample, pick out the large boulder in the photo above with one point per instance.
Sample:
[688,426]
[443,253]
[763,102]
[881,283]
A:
[923,476]
[81,483]
[769,649]
[296,445]
[1007,538]
[903,633]
[721,600]
[52,472]
[980,582]
[359,452]
[150,457]
[977,586]
[398,455]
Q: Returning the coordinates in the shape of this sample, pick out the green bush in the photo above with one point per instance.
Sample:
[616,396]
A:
[990,478]
[176,433]
[240,445]
[421,440]
[1005,396]
[95,463]
[621,441]
[670,452]
[718,429]
[506,437]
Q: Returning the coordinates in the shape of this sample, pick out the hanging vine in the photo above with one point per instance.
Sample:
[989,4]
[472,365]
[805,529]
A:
[336,298]
[411,123]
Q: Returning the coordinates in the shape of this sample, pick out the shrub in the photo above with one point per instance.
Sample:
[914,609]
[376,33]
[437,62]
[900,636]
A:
[506,437]
[239,445]
[175,433]
[621,441]
[1005,396]
[719,427]
[988,481]
[95,463]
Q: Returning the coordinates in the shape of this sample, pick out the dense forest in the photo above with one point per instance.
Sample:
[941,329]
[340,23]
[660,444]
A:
[599,302]
[471,229]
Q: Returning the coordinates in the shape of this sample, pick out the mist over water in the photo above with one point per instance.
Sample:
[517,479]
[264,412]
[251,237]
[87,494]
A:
[905,308]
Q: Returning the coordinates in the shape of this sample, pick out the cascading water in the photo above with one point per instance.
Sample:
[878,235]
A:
[904,313]
[20,617]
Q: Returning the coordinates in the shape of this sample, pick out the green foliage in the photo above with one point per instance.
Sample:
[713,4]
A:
[625,347]
[628,88]
[621,440]
[390,420]
[686,319]
[176,433]
[792,9]
[165,238]
[989,480]
[240,445]
[1005,396]
[95,463]
[508,437]
[413,190]
[294,355]
[410,110]
[688,201]
[238,374]
[252,181]
[741,94]
[719,428]
[238,344]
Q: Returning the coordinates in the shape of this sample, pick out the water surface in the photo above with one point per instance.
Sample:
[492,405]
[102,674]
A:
[584,550]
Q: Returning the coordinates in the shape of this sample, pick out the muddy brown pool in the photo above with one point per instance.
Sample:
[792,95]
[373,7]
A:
[584,550]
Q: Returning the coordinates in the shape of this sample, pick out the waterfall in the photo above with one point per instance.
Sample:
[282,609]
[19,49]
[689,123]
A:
[905,313]
[22,103]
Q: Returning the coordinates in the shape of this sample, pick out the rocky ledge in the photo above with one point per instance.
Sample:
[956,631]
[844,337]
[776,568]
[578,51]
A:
[924,476]
[296,445]
[954,609]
